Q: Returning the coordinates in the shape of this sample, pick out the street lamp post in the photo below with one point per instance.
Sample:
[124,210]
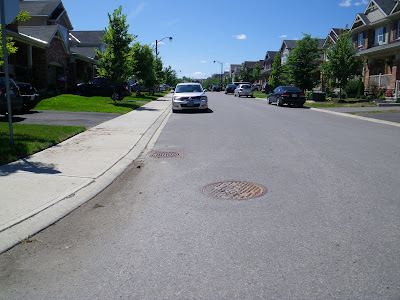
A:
[221,71]
[167,37]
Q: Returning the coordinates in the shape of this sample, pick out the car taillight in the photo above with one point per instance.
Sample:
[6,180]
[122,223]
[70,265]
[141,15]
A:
[240,89]
[285,94]
[125,86]
[302,95]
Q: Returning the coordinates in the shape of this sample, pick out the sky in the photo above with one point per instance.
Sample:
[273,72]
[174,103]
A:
[229,32]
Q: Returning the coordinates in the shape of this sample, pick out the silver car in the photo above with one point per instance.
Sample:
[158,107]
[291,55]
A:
[188,96]
[243,90]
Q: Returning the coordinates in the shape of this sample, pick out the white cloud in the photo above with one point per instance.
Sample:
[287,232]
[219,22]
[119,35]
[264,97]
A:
[197,73]
[172,22]
[283,36]
[136,11]
[345,3]
[203,61]
[240,36]
[361,3]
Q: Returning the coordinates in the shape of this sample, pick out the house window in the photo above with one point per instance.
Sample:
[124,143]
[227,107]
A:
[359,40]
[398,30]
[380,35]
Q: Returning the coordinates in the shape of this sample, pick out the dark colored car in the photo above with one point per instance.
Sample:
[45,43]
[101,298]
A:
[17,103]
[136,87]
[99,86]
[29,95]
[266,88]
[215,88]
[230,88]
[287,95]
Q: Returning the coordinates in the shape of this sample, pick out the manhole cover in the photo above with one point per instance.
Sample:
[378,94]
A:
[234,190]
[166,154]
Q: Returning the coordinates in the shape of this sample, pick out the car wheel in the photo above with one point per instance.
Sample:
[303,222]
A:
[234,94]
[115,96]
[174,111]
[278,102]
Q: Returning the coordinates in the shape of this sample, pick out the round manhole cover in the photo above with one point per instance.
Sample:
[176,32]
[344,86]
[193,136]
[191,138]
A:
[166,154]
[234,190]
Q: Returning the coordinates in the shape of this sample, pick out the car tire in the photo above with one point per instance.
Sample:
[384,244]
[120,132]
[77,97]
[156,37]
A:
[269,100]
[174,111]
[116,96]
[279,102]
[234,94]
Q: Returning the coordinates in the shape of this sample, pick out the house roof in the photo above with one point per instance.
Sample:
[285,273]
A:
[84,51]
[88,37]
[43,33]
[270,54]
[290,43]
[333,35]
[375,11]
[386,5]
[39,8]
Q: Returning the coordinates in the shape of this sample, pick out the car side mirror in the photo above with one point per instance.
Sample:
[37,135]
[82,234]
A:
[205,90]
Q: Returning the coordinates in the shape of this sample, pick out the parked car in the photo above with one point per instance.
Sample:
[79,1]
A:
[215,88]
[266,88]
[287,95]
[99,86]
[243,90]
[136,87]
[189,95]
[17,103]
[230,88]
[29,95]
[256,87]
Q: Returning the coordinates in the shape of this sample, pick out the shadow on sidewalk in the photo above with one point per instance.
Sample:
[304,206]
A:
[26,166]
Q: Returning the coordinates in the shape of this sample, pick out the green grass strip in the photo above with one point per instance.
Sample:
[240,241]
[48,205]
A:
[29,139]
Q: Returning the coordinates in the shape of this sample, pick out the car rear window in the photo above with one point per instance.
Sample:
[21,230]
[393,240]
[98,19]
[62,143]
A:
[246,86]
[195,88]
[290,89]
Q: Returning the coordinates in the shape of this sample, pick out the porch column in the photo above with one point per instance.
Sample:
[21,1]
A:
[366,73]
[30,57]
[395,74]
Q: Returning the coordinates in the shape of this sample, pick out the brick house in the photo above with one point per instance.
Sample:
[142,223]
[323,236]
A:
[376,36]
[48,55]
[267,65]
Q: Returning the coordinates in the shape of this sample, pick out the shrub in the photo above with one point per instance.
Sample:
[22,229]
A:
[351,87]
[360,91]
[373,88]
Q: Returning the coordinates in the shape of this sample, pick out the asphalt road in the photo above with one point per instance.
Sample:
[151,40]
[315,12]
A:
[63,118]
[327,228]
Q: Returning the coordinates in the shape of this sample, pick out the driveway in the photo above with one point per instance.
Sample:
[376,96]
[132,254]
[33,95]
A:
[384,113]
[63,118]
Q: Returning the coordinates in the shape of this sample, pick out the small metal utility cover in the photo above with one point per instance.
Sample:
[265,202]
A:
[166,154]
[234,190]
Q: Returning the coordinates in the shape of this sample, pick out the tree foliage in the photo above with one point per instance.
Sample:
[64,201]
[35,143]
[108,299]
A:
[342,63]
[302,64]
[257,72]
[144,65]
[246,74]
[116,63]
[10,45]
[171,79]
[276,76]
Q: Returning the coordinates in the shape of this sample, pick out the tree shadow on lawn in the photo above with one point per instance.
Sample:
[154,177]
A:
[9,156]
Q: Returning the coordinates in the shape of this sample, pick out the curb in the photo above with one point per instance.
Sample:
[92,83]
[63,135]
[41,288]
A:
[46,216]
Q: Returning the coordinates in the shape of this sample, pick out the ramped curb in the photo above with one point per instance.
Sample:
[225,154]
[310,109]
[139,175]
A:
[30,224]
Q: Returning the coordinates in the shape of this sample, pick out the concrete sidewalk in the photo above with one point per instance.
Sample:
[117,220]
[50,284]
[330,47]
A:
[39,190]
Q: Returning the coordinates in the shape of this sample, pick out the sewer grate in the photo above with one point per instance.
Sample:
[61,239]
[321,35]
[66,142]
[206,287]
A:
[234,190]
[166,154]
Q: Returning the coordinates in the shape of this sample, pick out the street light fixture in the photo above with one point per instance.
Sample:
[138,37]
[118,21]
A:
[167,37]
[220,86]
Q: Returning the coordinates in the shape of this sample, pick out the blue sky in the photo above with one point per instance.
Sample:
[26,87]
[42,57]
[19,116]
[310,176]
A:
[227,31]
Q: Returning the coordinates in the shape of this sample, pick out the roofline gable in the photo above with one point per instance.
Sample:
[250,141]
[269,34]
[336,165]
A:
[394,8]
[358,16]
[373,2]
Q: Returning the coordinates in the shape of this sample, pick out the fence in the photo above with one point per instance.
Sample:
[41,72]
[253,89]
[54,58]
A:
[383,81]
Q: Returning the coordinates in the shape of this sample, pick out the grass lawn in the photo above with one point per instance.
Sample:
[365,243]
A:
[350,102]
[375,112]
[259,94]
[29,139]
[68,102]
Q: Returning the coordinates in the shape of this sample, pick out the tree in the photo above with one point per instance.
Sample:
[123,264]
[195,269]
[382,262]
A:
[257,72]
[246,74]
[144,65]
[342,63]
[22,16]
[277,71]
[158,67]
[302,64]
[116,63]
[171,79]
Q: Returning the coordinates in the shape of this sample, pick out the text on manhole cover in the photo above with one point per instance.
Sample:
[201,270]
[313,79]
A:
[166,154]
[234,190]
